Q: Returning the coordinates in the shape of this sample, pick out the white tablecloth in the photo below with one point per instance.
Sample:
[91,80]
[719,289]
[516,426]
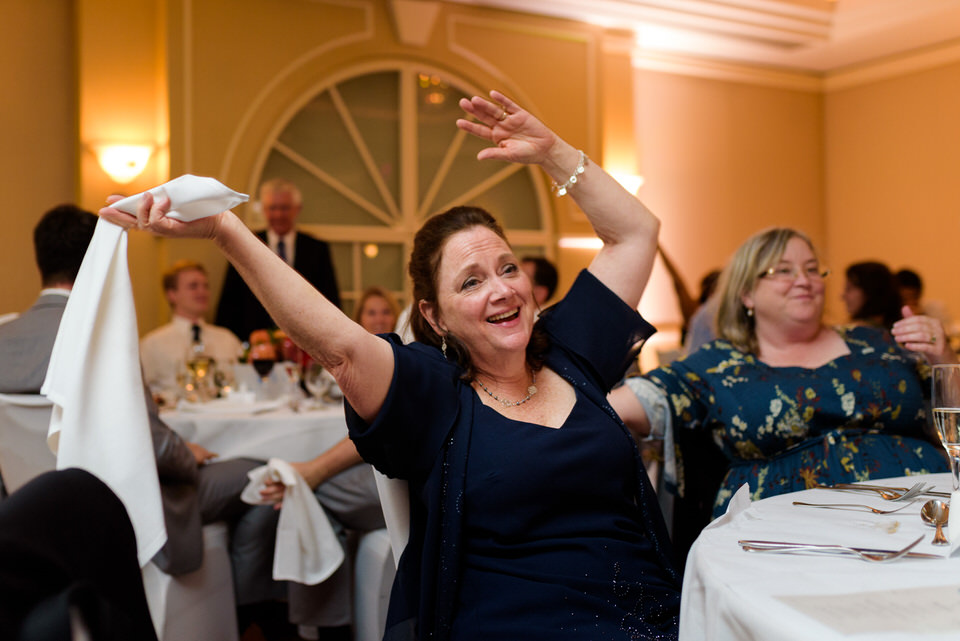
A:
[729,594]
[280,433]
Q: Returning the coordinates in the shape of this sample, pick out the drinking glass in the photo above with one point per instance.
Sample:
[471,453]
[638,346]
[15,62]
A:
[946,414]
[263,356]
[316,382]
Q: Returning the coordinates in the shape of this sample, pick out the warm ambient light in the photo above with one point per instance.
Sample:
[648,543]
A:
[630,182]
[580,242]
[123,162]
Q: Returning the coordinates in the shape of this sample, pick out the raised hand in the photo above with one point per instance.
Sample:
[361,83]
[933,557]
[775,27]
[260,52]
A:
[923,335]
[517,135]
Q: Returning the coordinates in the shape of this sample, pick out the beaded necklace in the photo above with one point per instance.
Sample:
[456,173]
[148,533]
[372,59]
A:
[507,403]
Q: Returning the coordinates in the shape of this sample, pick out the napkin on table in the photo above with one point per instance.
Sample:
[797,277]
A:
[99,420]
[191,198]
[307,549]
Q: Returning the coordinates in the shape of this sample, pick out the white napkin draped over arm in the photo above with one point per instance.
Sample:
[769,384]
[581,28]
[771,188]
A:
[307,549]
[99,421]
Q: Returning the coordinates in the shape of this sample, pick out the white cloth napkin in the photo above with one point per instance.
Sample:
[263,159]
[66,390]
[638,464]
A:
[99,421]
[191,198]
[307,549]
[738,504]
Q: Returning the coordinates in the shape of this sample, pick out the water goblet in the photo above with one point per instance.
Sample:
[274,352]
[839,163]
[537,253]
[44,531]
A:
[946,414]
[316,382]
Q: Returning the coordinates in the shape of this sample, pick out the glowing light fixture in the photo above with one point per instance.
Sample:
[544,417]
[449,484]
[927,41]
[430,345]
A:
[123,162]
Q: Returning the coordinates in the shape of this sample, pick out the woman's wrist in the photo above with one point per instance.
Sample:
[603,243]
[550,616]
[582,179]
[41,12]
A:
[561,161]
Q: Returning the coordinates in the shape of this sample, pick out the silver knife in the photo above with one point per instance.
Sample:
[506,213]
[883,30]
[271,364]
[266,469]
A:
[784,546]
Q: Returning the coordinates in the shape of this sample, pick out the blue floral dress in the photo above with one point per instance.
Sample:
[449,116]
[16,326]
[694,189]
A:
[783,429]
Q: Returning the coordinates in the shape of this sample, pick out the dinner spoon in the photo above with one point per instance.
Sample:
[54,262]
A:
[935,513]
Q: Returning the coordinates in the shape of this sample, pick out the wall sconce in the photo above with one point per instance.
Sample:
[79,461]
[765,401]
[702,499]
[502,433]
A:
[123,162]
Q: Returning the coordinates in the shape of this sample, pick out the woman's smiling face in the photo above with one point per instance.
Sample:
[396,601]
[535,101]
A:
[483,297]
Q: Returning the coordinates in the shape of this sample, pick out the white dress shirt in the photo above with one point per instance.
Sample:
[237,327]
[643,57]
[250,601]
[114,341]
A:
[163,352]
[289,242]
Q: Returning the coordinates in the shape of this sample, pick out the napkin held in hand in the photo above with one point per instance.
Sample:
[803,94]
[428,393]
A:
[191,198]
[307,549]
[99,421]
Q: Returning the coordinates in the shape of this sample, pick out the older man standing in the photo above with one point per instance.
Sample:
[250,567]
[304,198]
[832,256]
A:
[165,350]
[281,201]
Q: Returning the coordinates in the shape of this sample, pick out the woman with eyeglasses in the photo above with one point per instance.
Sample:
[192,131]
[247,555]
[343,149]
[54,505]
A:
[793,402]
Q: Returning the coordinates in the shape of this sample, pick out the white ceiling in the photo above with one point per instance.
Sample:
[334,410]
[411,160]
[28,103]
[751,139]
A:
[800,35]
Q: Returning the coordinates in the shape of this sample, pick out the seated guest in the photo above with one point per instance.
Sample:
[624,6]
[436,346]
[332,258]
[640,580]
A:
[165,351]
[910,286]
[793,402]
[345,487]
[377,310]
[543,275]
[68,562]
[194,491]
[871,295]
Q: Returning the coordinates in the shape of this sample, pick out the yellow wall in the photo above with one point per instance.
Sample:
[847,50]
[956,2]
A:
[862,160]
[38,125]
[720,161]
[893,190]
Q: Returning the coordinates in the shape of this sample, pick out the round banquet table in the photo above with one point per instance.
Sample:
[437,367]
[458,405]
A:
[730,594]
[260,431]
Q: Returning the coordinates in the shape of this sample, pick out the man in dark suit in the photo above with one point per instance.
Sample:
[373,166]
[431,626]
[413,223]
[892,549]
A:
[281,202]
[193,490]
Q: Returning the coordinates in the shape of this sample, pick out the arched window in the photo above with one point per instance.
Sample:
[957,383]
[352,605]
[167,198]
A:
[377,153]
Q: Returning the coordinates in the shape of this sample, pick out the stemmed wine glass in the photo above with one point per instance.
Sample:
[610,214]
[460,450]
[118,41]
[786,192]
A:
[315,381]
[946,414]
[263,356]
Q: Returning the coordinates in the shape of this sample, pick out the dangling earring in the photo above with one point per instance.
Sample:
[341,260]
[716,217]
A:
[443,345]
[750,312]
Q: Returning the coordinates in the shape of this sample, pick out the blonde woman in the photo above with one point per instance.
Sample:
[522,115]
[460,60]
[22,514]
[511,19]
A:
[791,401]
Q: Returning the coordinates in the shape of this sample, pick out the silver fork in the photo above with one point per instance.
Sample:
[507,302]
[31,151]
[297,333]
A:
[886,494]
[787,548]
[853,506]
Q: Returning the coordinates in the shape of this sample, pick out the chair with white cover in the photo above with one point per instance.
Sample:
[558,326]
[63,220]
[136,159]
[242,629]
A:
[373,572]
[377,555]
[200,605]
[196,606]
[395,503]
[24,419]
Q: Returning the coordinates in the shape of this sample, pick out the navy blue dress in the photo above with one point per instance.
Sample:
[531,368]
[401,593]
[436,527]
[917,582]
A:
[553,547]
[520,531]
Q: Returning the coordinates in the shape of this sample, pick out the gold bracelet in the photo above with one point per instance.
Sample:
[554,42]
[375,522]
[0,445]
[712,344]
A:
[561,190]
